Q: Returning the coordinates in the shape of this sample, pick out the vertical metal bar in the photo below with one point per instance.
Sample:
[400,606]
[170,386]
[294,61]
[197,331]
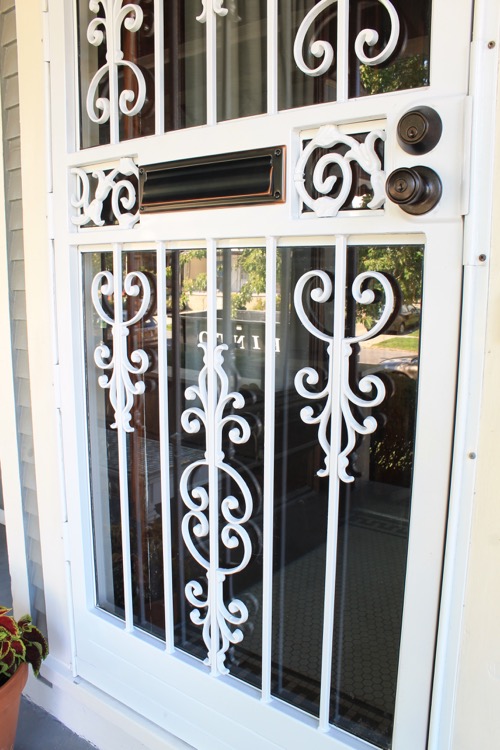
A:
[114,119]
[212,451]
[211,66]
[342,601]
[342,57]
[286,382]
[351,271]
[272,57]
[226,302]
[135,451]
[159,67]
[177,402]
[119,356]
[268,515]
[161,286]
[334,380]
[287,43]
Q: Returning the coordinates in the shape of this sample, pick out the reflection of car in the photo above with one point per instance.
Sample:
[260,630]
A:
[406,365]
[407,318]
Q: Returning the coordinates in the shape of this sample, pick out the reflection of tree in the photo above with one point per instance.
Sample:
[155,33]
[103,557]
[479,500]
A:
[406,73]
[391,448]
[404,264]
[252,262]
[188,284]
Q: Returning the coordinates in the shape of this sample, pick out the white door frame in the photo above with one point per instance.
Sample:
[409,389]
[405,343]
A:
[483,90]
[153,228]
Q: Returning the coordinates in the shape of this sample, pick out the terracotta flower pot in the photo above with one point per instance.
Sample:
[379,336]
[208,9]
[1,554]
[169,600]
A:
[10,698]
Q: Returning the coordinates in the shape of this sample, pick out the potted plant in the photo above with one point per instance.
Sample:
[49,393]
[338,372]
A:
[21,643]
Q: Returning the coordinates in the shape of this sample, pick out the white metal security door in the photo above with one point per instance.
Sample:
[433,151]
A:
[258,251]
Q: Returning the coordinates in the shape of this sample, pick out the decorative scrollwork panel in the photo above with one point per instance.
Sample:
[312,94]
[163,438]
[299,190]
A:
[122,193]
[327,193]
[324,49]
[340,355]
[108,29]
[121,370]
[215,6]
[220,621]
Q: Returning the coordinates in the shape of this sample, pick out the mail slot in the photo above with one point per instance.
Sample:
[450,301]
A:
[241,178]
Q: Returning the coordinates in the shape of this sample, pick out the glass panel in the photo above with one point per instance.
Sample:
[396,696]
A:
[399,60]
[240,327]
[185,65]
[374,509]
[300,496]
[142,445]
[242,60]
[295,88]
[407,67]
[186,327]
[241,324]
[104,474]
[134,74]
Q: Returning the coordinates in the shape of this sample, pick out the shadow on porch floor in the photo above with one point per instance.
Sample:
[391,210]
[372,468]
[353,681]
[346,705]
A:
[37,729]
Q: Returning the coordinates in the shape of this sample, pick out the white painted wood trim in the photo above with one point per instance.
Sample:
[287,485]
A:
[40,319]
[484,78]
[10,459]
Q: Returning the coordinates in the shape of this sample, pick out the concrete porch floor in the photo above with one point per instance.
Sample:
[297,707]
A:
[37,729]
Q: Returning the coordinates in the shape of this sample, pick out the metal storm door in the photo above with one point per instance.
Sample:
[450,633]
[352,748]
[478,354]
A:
[259,275]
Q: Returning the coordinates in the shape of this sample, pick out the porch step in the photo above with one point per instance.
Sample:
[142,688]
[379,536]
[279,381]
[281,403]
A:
[38,730]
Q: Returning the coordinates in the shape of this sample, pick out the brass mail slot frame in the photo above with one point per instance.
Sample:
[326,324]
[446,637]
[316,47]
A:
[240,178]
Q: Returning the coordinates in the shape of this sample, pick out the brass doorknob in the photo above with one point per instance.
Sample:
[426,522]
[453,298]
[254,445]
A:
[415,189]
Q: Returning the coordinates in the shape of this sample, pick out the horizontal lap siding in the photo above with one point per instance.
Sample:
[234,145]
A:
[15,254]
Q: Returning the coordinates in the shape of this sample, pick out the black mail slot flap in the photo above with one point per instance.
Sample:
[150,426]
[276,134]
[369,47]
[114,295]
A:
[240,178]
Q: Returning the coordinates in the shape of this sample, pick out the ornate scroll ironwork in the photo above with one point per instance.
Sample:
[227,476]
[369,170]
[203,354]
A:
[215,6]
[128,102]
[123,195]
[220,621]
[329,136]
[325,50]
[338,383]
[121,387]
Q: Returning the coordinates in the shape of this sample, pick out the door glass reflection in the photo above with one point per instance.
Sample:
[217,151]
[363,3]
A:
[374,509]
